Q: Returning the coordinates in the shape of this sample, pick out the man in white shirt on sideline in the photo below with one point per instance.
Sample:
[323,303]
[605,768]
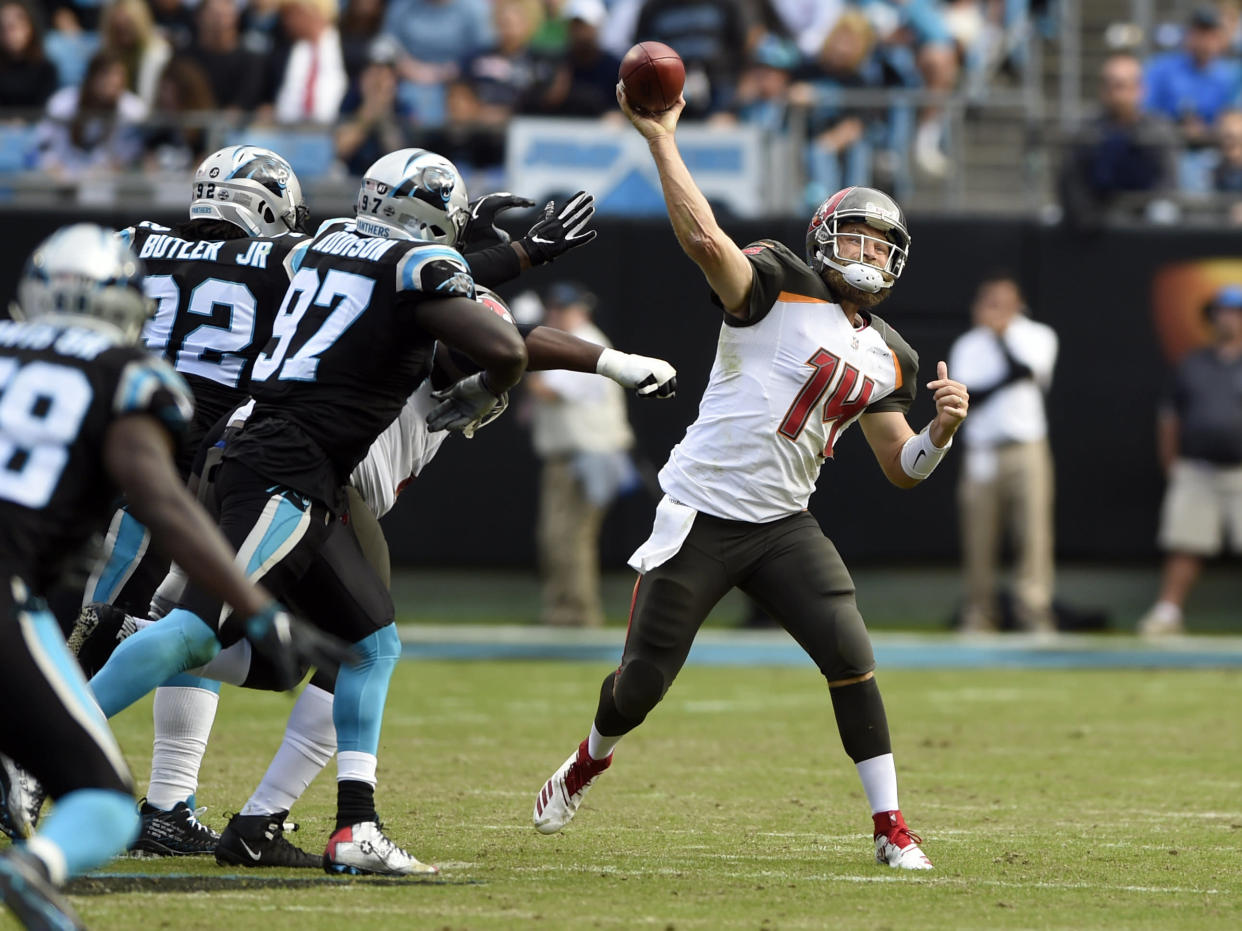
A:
[1006,361]
[583,438]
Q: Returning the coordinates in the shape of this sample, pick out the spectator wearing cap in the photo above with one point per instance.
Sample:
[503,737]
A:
[1006,360]
[1199,442]
[373,116]
[583,438]
[27,78]
[1192,85]
[583,75]
[307,75]
[763,90]
[1121,158]
[235,73]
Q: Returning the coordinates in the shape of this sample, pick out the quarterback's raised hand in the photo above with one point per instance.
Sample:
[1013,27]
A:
[466,406]
[952,402]
[652,378]
[292,645]
[481,228]
[556,232]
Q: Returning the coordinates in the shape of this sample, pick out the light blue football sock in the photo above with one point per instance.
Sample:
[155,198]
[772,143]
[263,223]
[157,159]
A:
[358,708]
[179,641]
[88,827]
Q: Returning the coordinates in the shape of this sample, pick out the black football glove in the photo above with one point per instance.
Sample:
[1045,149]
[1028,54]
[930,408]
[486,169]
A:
[556,233]
[481,228]
[291,645]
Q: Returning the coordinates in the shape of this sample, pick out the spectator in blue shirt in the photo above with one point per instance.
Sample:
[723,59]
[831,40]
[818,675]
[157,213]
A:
[1193,85]
[435,36]
[1123,151]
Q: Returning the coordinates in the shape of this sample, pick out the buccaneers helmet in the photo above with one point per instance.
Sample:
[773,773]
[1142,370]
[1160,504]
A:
[877,210]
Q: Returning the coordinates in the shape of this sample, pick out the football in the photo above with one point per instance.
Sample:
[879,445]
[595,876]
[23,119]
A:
[653,75]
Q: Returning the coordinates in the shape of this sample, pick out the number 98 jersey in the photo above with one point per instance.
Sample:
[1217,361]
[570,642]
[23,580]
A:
[60,389]
[214,305]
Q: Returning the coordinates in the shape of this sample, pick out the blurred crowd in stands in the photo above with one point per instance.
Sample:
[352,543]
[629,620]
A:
[1169,127]
[114,84]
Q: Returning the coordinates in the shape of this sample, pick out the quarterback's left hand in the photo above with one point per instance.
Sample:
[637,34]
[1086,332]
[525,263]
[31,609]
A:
[481,226]
[465,407]
[952,401]
[556,233]
[653,378]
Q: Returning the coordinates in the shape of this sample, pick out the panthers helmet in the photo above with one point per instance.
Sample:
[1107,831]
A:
[250,187]
[84,274]
[413,194]
[877,210]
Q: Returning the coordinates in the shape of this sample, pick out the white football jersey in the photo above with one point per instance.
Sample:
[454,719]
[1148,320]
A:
[785,385]
[398,454]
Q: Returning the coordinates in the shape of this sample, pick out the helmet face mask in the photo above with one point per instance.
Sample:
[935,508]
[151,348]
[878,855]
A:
[83,275]
[413,194]
[250,187]
[824,236]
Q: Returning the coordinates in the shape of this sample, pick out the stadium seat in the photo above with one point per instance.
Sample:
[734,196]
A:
[310,152]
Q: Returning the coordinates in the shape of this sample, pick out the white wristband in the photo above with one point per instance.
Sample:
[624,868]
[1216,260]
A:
[610,364]
[920,456]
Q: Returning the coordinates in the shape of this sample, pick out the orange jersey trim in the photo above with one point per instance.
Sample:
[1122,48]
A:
[897,366]
[790,298]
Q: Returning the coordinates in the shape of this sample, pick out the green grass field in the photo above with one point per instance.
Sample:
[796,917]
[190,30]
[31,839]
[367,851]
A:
[1046,799]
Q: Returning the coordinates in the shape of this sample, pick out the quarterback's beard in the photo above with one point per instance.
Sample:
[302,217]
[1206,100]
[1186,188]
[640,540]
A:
[847,292]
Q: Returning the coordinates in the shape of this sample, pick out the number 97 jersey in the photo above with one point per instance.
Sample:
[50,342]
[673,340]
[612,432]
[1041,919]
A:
[60,389]
[785,385]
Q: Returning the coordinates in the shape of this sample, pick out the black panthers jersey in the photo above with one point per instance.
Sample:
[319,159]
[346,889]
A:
[60,389]
[345,354]
[215,302]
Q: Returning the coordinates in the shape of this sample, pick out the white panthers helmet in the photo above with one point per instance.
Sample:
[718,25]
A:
[84,274]
[250,187]
[413,194]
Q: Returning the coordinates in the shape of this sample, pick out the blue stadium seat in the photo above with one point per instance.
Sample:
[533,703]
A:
[17,148]
[310,152]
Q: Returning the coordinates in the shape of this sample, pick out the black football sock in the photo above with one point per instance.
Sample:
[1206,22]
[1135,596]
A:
[861,720]
[355,803]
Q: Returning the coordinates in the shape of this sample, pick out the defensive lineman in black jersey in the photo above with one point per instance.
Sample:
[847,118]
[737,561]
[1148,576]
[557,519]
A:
[352,340]
[83,411]
[217,281]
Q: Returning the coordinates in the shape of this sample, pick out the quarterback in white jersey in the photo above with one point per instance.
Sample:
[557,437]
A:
[799,358]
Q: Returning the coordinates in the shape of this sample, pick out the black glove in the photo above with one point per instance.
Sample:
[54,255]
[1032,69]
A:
[481,228]
[556,233]
[291,645]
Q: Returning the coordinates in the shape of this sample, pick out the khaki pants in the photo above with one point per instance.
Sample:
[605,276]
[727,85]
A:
[1017,495]
[568,539]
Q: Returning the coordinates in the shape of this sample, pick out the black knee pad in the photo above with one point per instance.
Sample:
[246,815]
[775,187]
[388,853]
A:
[639,688]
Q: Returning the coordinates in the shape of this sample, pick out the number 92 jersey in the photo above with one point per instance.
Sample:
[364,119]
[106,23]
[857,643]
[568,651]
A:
[785,385]
[60,389]
[214,305]
[345,355]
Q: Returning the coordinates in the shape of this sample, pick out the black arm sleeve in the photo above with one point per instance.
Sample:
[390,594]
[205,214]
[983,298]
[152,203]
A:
[494,266]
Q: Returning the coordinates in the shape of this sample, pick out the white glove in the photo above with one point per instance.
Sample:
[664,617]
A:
[654,378]
[466,406]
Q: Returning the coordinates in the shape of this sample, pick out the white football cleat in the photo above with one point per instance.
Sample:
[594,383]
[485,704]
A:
[364,849]
[896,845]
[558,800]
